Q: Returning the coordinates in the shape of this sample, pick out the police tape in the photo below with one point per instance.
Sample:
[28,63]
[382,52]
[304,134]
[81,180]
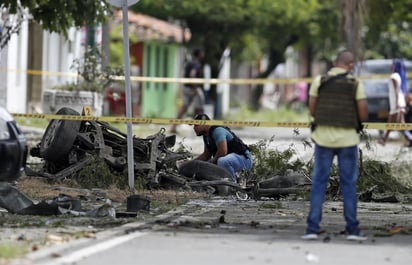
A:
[234,123]
[211,81]
[152,79]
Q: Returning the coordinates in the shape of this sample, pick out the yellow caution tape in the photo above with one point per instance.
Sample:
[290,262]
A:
[121,119]
[236,81]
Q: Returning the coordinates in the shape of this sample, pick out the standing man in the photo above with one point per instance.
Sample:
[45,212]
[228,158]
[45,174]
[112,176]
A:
[192,93]
[338,105]
[223,148]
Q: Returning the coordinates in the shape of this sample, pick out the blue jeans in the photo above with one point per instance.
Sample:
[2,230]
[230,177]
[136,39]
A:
[348,172]
[233,163]
[408,135]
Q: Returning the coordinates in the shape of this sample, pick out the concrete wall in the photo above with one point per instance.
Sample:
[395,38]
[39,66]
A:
[3,77]
[58,55]
[16,76]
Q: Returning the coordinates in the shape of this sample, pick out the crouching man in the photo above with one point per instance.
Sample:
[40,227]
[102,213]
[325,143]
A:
[223,148]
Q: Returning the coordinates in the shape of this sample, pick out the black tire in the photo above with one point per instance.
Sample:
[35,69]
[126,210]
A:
[59,137]
[202,170]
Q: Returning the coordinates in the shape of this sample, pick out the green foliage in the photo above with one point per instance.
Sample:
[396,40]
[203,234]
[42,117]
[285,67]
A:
[321,31]
[116,45]
[99,175]
[282,114]
[93,76]
[11,251]
[248,27]
[252,28]
[60,15]
[388,30]
[268,162]
[380,174]
[32,122]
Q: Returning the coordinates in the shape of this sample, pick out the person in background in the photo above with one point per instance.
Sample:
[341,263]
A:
[397,95]
[223,148]
[408,119]
[192,93]
[337,103]
[299,101]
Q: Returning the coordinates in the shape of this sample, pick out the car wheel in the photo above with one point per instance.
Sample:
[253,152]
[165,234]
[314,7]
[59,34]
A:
[59,137]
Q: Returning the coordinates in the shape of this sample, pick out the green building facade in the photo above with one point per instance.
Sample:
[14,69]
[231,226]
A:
[159,99]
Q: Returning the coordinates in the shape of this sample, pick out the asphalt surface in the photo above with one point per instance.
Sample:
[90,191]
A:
[231,231]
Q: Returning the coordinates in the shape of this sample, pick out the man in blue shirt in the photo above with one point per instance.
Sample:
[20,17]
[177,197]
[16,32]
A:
[223,148]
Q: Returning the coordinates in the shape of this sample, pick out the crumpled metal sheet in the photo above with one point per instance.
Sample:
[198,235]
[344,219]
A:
[16,202]
[12,199]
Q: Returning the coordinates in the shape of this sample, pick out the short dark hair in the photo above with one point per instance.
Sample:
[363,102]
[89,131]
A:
[202,117]
[345,57]
[197,52]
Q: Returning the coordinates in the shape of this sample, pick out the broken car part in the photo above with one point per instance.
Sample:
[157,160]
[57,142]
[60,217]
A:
[13,148]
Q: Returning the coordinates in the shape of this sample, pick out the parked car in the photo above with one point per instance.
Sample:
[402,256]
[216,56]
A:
[375,78]
[13,148]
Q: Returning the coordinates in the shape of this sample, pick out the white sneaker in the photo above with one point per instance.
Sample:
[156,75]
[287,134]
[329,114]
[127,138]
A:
[309,237]
[356,238]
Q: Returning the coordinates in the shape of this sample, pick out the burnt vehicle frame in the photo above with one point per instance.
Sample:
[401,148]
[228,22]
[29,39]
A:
[69,145]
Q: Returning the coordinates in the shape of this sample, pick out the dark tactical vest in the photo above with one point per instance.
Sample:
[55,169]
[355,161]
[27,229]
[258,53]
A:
[336,103]
[236,145]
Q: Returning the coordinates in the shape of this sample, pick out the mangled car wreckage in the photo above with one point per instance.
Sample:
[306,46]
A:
[68,145]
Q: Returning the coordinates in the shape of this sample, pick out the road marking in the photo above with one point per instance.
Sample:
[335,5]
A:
[89,251]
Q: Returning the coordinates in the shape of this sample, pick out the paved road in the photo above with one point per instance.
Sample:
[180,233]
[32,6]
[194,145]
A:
[223,231]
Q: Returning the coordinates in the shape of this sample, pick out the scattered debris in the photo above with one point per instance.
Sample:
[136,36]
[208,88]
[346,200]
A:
[137,203]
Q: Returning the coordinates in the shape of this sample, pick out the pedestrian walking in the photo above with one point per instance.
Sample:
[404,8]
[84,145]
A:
[338,105]
[193,93]
[397,98]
